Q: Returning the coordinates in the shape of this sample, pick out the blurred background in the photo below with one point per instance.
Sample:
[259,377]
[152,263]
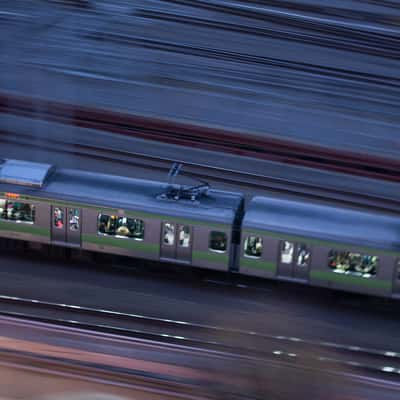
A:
[292,98]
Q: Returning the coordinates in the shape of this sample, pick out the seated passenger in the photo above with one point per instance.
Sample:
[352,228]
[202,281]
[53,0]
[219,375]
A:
[110,227]
[10,211]
[258,248]
[122,229]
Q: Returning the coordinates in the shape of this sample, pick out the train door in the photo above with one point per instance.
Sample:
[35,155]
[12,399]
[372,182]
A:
[176,242]
[396,278]
[66,225]
[294,260]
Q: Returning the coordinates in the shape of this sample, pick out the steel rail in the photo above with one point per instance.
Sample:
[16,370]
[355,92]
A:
[238,178]
[215,139]
[227,341]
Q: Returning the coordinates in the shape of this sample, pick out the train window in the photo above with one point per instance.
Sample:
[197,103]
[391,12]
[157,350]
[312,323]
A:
[253,246]
[184,236]
[74,218]
[121,227]
[58,218]
[398,270]
[169,234]
[17,211]
[287,249]
[303,255]
[352,263]
[218,241]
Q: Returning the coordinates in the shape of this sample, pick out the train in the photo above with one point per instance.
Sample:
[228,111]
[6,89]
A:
[331,246]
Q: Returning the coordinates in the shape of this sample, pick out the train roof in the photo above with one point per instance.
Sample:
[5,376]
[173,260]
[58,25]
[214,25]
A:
[131,194]
[324,222]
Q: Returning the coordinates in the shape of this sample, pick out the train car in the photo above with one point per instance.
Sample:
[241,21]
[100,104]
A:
[321,245]
[296,240]
[112,214]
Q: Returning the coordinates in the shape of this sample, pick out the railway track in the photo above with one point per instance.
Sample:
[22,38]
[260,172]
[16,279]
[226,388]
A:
[288,26]
[158,386]
[43,350]
[227,342]
[201,137]
[299,7]
[239,57]
[54,357]
[238,178]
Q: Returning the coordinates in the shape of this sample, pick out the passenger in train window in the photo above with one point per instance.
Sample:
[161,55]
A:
[169,234]
[287,252]
[2,208]
[218,241]
[58,218]
[367,264]
[74,220]
[303,255]
[137,228]
[356,264]
[253,246]
[16,211]
[339,261]
[111,225]
[10,211]
[184,236]
[122,227]
[102,223]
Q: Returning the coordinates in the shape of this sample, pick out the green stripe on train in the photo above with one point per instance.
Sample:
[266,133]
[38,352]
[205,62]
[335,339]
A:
[129,244]
[258,264]
[149,247]
[220,258]
[128,213]
[328,276]
[24,228]
[318,242]
[350,279]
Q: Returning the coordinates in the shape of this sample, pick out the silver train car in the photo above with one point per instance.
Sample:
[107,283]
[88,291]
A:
[273,238]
